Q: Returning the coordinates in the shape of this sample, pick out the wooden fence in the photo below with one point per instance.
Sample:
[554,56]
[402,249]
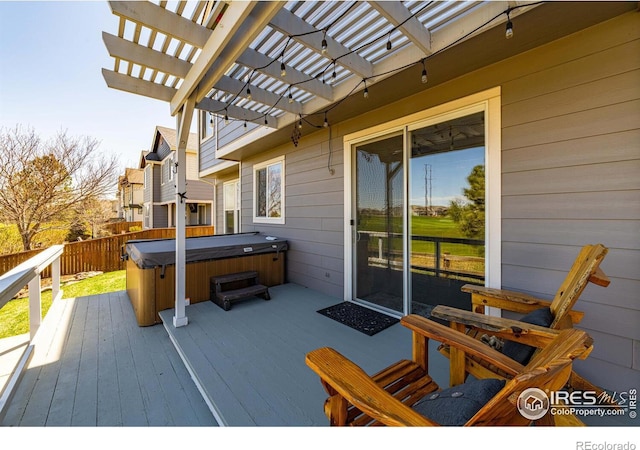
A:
[102,254]
[121,227]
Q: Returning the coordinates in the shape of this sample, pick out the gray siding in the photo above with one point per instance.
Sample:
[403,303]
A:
[233,130]
[313,212]
[157,170]
[570,163]
[199,190]
[207,154]
[571,166]
[160,216]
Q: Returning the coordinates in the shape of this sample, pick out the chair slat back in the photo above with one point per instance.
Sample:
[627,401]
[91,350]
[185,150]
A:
[586,264]
[548,370]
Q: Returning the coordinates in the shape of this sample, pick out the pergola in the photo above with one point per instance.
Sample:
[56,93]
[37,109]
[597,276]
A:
[274,64]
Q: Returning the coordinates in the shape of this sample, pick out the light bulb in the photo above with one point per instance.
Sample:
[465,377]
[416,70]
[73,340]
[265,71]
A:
[424,75]
[509,32]
[388,45]
[283,70]
[249,93]
[290,98]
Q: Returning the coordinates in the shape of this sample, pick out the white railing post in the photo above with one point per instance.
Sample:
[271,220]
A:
[55,279]
[35,306]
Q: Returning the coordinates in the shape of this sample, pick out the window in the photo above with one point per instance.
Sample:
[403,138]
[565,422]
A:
[268,182]
[171,167]
[231,205]
[207,123]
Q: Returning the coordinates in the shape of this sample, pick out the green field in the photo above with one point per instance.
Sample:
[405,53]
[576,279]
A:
[14,316]
[440,227]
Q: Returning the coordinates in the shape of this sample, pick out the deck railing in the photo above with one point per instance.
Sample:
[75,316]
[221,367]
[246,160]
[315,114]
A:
[29,273]
[384,253]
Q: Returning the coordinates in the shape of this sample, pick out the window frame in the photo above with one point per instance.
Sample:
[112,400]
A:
[265,165]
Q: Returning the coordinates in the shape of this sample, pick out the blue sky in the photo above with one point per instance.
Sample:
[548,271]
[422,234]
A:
[51,57]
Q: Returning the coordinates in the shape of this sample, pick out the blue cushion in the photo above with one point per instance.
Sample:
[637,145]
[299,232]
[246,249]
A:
[456,405]
[522,352]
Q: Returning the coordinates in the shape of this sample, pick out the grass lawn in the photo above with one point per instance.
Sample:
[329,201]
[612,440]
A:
[14,316]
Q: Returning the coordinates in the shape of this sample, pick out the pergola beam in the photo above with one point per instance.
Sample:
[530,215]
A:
[162,20]
[291,25]
[241,23]
[233,86]
[397,14]
[262,63]
[236,112]
[138,86]
[144,56]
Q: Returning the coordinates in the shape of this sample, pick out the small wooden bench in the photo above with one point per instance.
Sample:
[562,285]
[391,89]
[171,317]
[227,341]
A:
[236,286]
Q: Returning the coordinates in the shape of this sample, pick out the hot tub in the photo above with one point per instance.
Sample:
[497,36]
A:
[151,268]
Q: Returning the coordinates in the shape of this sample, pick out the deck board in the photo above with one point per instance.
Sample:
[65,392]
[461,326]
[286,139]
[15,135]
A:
[252,357]
[102,369]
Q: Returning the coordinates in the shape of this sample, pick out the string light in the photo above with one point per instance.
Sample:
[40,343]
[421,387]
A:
[424,73]
[424,79]
[211,119]
[249,93]
[226,117]
[509,30]
[245,124]
[324,43]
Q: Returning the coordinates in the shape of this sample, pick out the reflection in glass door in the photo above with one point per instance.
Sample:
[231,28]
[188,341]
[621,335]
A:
[379,214]
[446,211]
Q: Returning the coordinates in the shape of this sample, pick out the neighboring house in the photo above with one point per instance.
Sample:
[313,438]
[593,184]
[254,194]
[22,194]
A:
[549,120]
[158,168]
[130,195]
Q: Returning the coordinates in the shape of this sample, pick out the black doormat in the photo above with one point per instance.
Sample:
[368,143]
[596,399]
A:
[358,317]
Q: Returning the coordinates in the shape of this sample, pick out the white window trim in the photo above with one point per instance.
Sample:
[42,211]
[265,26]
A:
[262,165]
[488,101]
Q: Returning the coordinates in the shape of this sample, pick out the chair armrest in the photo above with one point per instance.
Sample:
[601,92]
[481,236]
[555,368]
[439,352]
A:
[433,330]
[512,330]
[510,300]
[496,297]
[352,383]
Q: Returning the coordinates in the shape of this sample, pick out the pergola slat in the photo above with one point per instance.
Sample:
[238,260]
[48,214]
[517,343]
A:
[397,14]
[159,19]
[289,24]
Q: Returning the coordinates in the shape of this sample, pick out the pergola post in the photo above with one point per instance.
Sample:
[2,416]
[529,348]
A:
[183,126]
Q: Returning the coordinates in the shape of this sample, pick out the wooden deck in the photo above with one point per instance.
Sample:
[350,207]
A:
[93,366]
[249,361]
[102,369]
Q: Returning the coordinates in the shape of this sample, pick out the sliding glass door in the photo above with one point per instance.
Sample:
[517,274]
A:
[379,213]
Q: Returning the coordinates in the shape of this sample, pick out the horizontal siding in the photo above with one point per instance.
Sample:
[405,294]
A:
[199,190]
[571,176]
[160,216]
[314,212]
[234,130]
[207,154]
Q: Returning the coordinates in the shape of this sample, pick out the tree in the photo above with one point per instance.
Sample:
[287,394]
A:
[41,183]
[469,213]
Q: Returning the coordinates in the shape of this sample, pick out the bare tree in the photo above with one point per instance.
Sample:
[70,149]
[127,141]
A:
[42,182]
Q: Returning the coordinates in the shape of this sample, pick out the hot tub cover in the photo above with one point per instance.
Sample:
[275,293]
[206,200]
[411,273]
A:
[148,253]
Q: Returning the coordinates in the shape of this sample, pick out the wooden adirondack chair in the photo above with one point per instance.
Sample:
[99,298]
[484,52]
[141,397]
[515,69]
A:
[396,394]
[585,269]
